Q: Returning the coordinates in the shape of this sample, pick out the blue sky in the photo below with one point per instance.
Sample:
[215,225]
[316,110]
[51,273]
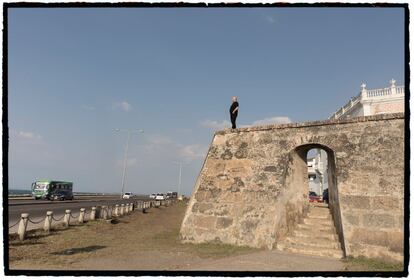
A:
[77,74]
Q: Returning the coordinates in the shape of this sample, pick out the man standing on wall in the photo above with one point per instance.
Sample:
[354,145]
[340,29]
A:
[234,109]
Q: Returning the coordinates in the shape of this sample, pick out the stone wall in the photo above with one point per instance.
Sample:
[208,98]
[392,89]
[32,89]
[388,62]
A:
[252,189]
[395,106]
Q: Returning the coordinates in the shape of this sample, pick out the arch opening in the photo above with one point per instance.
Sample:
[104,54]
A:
[312,167]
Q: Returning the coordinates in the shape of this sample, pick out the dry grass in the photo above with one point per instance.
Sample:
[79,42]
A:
[155,232]
[366,264]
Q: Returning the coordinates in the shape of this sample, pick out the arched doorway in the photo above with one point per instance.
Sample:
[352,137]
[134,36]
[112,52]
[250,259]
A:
[317,163]
[312,166]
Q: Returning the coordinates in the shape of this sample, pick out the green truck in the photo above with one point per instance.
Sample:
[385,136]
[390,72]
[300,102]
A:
[52,190]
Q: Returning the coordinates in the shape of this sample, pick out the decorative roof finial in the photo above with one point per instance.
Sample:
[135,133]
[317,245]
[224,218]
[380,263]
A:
[363,86]
[392,82]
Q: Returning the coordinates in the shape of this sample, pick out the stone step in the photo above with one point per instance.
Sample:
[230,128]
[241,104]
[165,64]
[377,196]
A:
[318,221]
[317,228]
[323,214]
[319,209]
[317,242]
[314,215]
[319,205]
[309,250]
[326,217]
[315,235]
[311,234]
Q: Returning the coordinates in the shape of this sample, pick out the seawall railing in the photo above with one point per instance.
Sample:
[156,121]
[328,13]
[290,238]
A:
[101,212]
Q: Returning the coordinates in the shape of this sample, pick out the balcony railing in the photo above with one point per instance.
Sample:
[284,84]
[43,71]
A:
[373,94]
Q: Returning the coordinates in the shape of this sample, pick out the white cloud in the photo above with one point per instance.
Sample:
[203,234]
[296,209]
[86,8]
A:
[215,124]
[157,143]
[124,106]
[161,147]
[88,108]
[193,152]
[130,162]
[28,135]
[159,140]
[272,120]
[269,19]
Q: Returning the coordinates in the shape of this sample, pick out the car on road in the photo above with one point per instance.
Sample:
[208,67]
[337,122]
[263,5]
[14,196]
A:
[313,197]
[172,195]
[153,195]
[127,195]
[160,196]
[61,195]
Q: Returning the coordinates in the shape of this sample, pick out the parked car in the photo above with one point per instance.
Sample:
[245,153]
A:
[153,195]
[160,196]
[325,196]
[61,195]
[127,195]
[313,197]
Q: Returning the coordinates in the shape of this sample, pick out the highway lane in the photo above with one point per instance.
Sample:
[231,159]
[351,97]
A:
[29,200]
[37,208]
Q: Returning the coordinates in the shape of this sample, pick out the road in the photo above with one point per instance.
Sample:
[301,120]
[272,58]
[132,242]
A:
[37,208]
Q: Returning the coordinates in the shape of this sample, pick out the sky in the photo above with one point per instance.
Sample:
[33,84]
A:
[75,75]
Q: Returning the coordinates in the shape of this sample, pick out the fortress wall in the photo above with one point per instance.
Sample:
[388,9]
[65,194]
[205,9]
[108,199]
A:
[252,189]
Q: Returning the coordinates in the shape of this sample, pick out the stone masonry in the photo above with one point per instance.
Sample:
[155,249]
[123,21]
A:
[253,186]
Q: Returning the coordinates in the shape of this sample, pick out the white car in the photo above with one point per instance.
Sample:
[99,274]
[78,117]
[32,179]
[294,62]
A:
[160,196]
[153,195]
[127,195]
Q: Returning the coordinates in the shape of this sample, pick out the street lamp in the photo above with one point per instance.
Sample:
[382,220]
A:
[179,176]
[126,153]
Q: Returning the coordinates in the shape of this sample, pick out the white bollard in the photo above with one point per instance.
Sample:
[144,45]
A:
[131,207]
[66,220]
[93,213]
[48,221]
[22,226]
[82,216]
[104,210]
[116,210]
[127,208]
[122,210]
[109,212]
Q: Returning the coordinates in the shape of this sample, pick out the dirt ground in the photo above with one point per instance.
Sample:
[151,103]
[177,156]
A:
[149,242]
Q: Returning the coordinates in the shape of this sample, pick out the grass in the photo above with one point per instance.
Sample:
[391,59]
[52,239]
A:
[368,264]
[154,235]
[156,232]
[217,250]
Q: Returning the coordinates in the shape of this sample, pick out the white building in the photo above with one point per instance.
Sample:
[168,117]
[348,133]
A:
[373,102]
[317,172]
[368,102]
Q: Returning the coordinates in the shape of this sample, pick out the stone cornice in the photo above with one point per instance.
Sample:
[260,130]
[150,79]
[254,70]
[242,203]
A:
[314,123]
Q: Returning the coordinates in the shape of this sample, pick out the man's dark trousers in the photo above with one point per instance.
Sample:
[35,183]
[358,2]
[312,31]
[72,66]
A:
[233,118]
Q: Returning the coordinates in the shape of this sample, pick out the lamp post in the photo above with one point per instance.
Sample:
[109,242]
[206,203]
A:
[179,176]
[126,154]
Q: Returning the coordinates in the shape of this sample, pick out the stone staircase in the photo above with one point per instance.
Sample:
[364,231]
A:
[315,236]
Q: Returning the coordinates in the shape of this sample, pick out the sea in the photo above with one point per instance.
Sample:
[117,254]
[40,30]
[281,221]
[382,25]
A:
[19,192]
